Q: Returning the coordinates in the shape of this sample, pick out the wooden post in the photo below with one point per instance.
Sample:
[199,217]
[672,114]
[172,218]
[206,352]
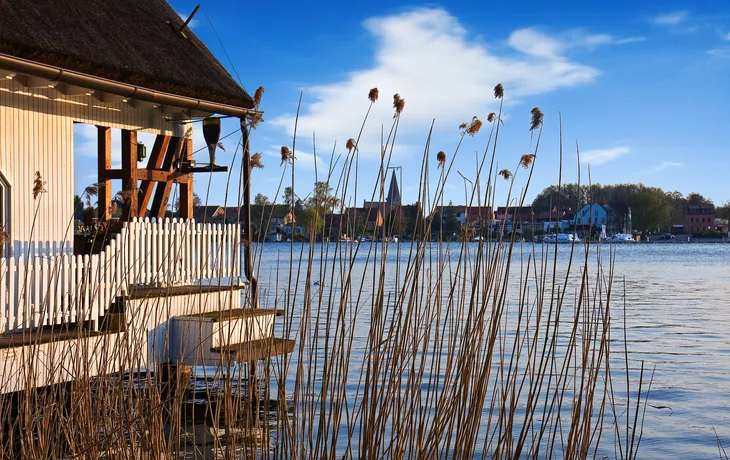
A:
[129,174]
[246,215]
[104,161]
[186,187]
[156,157]
[163,189]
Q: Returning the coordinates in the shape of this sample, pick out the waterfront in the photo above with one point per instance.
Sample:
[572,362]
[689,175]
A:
[676,296]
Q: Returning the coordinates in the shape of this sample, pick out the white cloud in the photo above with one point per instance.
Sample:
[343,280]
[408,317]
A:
[662,166]
[440,70]
[671,19]
[597,157]
[719,52]
[535,43]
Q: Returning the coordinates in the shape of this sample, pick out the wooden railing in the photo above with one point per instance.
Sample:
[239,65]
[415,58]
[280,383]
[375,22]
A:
[60,289]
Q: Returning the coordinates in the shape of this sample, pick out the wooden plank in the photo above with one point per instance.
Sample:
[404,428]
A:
[232,314]
[157,155]
[129,174]
[162,191]
[258,350]
[104,164]
[186,187]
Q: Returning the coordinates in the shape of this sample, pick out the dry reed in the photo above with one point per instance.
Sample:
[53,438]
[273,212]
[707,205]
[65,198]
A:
[421,350]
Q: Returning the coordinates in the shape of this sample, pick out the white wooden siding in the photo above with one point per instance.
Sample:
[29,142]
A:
[36,134]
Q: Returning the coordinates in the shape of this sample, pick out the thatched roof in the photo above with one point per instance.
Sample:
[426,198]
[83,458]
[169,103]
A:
[129,41]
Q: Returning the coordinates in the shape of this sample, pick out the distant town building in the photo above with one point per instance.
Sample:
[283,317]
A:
[560,219]
[699,217]
[596,215]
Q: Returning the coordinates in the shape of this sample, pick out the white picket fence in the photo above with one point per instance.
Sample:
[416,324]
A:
[50,290]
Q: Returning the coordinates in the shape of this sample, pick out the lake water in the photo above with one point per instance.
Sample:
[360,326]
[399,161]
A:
[677,299]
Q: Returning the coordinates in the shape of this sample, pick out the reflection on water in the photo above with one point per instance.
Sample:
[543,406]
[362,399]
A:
[677,321]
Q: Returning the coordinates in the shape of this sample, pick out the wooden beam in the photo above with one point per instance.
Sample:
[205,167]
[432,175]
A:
[71,90]
[129,174]
[107,98]
[114,174]
[162,143]
[153,175]
[186,188]
[163,189]
[104,163]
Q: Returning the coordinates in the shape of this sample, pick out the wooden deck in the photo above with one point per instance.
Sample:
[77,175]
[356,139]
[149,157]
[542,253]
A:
[42,336]
[257,350]
[144,292]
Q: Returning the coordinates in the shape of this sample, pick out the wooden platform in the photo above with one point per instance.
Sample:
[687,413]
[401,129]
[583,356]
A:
[236,313]
[258,350]
[46,335]
[144,292]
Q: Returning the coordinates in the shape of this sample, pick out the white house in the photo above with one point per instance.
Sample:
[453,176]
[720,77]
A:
[124,67]
[596,215]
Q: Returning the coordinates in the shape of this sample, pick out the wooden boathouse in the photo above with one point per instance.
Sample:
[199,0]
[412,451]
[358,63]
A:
[149,289]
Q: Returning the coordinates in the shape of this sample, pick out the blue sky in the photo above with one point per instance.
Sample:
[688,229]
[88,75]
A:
[643,87]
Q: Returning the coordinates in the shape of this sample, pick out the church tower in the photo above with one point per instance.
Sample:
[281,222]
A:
[393,200]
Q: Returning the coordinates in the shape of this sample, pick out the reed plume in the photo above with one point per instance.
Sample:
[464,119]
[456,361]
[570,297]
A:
[373,95]
[499,91]
[257,96]
[350,145]
[491,117]
[255,161]
[536,119]
[286,155]
[474,126]
[505,173]
[39,185]
[527,159]
[398,103]
[254,120]
[441,159]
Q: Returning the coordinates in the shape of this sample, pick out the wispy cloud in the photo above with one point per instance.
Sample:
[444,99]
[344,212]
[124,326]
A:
[598,157]
[673,18]
[661,167]
[719,52]
[439,68]
[726,36]
[533,42]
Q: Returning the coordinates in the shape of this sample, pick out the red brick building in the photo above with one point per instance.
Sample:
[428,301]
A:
[699,217]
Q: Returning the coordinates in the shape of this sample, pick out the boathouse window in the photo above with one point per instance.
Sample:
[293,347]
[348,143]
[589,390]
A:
[4,214]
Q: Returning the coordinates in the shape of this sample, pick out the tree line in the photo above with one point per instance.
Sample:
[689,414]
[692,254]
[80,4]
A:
[651,207]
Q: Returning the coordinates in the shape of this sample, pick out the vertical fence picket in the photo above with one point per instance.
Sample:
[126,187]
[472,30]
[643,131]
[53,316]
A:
[95,270]
[4,301]
[22,306]
[36,288]
[42,306]
[12,299]
[67,287]
[76,279]
[85,286]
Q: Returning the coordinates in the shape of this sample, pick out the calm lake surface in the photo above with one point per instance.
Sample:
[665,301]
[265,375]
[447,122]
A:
[677,299]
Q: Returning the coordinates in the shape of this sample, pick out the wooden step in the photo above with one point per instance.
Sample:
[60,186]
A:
[232,314]
[257,350]
[194,337]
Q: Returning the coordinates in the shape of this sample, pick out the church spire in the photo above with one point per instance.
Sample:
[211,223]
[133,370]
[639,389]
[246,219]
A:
[393,199]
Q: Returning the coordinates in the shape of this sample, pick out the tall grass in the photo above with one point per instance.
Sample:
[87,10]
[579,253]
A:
[415,349]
